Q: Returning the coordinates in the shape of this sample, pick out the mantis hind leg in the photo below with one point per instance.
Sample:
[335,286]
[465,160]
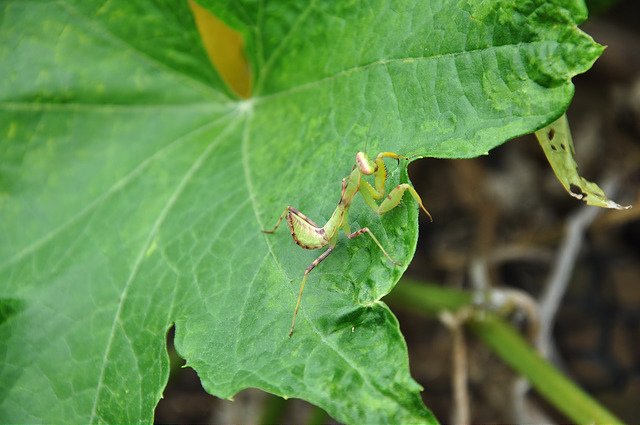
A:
[282,216]
[304,280]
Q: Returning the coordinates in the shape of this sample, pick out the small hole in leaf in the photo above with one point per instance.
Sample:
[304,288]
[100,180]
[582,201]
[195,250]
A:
[575,189]
[551,133]
[563,147]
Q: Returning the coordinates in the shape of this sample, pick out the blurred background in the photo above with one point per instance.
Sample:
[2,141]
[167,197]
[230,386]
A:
[502,220]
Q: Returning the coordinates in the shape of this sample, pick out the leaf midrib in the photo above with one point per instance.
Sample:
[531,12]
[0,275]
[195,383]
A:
[107,108]
[277,51]
[112,190]
[141,255]
[101,31]
[254,204]
[385,62]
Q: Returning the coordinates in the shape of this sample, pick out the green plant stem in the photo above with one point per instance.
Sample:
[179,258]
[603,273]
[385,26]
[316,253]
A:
[507,343]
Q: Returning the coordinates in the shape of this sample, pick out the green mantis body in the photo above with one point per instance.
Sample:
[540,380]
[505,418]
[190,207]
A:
[309,235]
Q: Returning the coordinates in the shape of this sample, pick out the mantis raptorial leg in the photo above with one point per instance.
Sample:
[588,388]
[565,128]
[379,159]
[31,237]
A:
[309,235]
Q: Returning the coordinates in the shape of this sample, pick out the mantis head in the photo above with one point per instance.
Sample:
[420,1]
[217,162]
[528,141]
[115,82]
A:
[364,164]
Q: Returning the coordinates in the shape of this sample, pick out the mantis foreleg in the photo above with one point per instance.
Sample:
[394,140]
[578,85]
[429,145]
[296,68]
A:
[392,200]
[395,196]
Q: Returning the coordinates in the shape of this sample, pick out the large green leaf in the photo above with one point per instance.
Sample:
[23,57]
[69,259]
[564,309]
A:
[133,188]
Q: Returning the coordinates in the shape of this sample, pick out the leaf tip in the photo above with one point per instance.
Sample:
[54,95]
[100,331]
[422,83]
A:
[616,206]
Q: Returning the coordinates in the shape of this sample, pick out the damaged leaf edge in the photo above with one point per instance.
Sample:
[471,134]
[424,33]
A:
[557,144]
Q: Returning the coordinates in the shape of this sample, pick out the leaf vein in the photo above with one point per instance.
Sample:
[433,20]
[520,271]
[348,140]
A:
[100,30]
[243,309]
[245,164]
[113,189]
[109,107]
[381,62]
[141,255]
[283,42]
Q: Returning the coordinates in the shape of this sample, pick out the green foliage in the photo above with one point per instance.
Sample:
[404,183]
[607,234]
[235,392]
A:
[508,343]
[134,185]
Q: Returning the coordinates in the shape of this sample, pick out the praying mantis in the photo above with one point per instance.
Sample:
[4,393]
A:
[309,235]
